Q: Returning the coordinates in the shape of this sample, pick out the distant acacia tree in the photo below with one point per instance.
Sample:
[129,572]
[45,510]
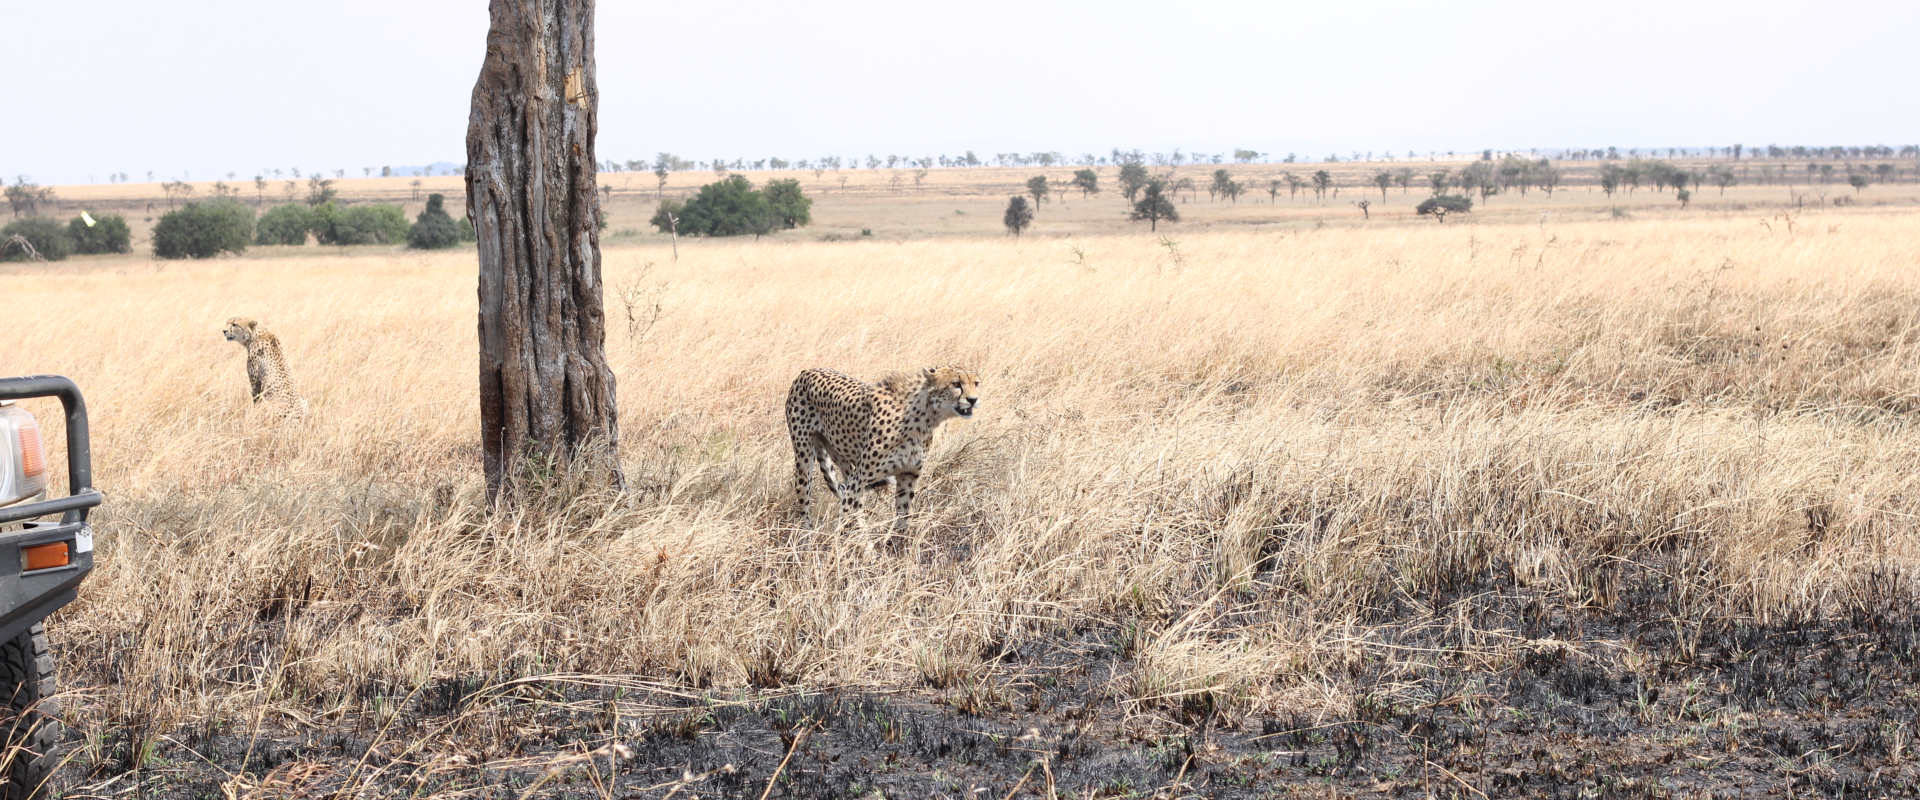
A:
[1438,180]
[1219,186]
[1273,191]
[1858,180]
[1086,180]
[1293,184]
[1610,175]
[1723,177]
[1154,206]
[1019,215]
[320,190]
[1037,186]
[1545,175]
[1182,185]
[1382,179]
[1478,176]
[1322,181]
[662,165]
[1404,177]
[26,198]
[1243,155]
[1133,176]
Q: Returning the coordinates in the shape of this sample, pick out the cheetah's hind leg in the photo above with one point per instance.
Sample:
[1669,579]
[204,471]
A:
[805,456]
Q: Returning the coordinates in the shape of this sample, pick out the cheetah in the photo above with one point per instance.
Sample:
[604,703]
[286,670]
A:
[266,367]
[866,435]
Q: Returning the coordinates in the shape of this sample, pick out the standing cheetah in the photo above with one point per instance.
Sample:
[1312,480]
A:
[865,435]
[266,367]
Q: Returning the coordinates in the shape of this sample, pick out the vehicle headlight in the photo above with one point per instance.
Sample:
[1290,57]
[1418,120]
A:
[23,460]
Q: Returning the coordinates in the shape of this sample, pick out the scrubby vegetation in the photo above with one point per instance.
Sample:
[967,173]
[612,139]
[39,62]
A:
[732,207]
[108,234]
[203,230]
[285,224]
[52,241]
[1439,206]
[359,224]
[434,229]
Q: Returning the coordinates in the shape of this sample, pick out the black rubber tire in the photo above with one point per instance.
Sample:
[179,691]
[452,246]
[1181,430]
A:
[30,716]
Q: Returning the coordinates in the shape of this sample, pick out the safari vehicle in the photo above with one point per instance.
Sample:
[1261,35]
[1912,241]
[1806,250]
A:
[42,562]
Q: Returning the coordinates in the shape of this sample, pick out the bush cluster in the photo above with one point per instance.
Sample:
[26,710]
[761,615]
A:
[434,229]
[732,207]
[203,230]
[52,241]
[108,234]
[368,224]
[1439,206]
[287,224]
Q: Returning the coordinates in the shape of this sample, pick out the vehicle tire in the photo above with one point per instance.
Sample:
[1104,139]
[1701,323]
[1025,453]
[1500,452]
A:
[30,716]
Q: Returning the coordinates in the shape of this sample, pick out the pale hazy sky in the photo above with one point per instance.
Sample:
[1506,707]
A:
[211,86]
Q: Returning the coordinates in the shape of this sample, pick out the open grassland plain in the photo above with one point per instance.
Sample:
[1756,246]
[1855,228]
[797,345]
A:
[1572,508]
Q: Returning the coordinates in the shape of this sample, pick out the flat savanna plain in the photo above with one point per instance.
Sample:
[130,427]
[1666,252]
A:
[1549,501]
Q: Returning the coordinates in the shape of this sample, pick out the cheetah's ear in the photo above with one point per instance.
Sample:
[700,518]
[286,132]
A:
[926,375]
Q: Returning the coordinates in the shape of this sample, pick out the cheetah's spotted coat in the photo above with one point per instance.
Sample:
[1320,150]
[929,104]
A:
[862,436]
[267,374]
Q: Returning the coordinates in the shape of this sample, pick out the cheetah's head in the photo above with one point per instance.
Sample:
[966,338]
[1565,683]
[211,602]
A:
[240,329]
[951,391]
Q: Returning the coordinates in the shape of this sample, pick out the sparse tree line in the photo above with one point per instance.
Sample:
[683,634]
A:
[664,164]
[224,224]
[668,162]
[260,177]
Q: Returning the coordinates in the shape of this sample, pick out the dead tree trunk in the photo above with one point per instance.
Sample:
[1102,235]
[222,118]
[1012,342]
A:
[546,393]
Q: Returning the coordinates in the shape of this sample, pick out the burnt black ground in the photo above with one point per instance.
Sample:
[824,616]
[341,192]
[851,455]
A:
[1796,706]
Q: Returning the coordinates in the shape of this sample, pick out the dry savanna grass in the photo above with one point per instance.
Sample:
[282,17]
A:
[1252,474]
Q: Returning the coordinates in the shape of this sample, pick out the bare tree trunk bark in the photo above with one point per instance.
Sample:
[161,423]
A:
[546,393]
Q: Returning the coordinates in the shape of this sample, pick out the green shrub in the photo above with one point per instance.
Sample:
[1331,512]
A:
[52,241]
[107,234]
[285,224]
[668,211]
[727,207]
[203,230]
[434,229]
[732,207]
[371,224]
[791,208]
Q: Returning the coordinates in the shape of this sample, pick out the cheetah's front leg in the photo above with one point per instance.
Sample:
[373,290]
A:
[903,499]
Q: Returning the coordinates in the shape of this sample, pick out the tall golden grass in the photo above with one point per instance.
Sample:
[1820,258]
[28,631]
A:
[1236,448]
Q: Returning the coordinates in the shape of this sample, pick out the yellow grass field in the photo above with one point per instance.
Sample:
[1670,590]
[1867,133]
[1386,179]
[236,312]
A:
[1274,502]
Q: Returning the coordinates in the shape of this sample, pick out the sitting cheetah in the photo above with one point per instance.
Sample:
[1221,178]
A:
[266,367]
[865,435]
